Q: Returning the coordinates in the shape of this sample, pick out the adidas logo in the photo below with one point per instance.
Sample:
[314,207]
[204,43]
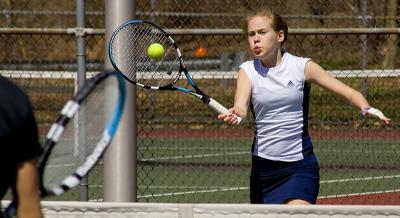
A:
[290,84]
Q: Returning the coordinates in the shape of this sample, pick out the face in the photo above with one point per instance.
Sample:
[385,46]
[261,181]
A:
[264,41]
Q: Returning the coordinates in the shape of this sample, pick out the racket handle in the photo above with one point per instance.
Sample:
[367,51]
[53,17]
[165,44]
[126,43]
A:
[216,106]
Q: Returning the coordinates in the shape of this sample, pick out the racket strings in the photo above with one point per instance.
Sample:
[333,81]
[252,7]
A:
[158,76]
[145,37]
[129,52]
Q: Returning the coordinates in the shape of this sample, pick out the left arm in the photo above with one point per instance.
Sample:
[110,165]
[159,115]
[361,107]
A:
[316,74]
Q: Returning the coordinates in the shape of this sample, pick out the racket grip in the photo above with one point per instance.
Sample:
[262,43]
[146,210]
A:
[219,108]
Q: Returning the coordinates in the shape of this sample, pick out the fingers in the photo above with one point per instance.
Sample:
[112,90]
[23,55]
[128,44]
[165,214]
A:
[230,117]
[233,119]
[376,113]
[224,116]
[385,119]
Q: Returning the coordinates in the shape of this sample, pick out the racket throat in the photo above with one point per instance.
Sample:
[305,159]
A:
[204,98]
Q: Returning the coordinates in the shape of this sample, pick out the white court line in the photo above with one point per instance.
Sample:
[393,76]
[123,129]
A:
[361,179]
[194,156]
[358,194]
[194,192]
[181,149]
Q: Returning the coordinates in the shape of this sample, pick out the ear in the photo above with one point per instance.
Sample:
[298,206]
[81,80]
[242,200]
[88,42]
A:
[281,36]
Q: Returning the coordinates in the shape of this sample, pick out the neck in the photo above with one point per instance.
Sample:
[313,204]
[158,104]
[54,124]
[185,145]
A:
[272,60]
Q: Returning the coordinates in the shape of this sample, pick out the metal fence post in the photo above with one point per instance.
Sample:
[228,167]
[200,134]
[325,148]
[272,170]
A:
[80,130]
[364,46]
[120,180]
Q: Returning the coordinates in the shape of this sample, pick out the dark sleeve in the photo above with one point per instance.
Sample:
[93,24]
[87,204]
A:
[28,142]
[19,136]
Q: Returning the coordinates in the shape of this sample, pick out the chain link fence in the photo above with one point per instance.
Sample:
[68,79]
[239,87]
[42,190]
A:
[207,13]
[188,156]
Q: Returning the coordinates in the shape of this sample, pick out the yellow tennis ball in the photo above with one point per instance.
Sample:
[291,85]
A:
[155,51]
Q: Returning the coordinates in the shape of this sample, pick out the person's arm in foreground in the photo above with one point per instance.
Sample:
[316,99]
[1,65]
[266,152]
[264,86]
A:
[316,74]
[27,187]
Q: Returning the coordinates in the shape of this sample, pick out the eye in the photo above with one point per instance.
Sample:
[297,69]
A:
[251,34]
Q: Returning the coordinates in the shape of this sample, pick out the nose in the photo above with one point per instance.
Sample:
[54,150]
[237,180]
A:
[257,36]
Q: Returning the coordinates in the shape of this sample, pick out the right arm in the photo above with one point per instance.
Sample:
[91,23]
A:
[242,99]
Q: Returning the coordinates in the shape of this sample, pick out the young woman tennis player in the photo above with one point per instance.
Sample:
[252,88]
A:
[277,84]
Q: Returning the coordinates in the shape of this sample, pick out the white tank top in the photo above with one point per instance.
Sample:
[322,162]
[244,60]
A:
[279,102]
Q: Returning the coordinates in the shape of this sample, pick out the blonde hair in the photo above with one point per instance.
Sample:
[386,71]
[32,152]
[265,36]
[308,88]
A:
[278,24]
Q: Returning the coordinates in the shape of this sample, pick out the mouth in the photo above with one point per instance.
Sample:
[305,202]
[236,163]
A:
[257,50]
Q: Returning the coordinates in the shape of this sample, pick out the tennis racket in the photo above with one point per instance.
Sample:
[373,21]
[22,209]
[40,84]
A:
[80,135]
[128,54]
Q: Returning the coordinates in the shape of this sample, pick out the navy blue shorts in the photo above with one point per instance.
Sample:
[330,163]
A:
[276,182]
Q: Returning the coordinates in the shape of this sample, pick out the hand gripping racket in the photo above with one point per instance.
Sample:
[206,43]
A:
[80,135]
[128,53]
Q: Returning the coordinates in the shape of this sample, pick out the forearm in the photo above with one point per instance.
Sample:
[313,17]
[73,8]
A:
[358,100]
[242,95]
[27,188]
